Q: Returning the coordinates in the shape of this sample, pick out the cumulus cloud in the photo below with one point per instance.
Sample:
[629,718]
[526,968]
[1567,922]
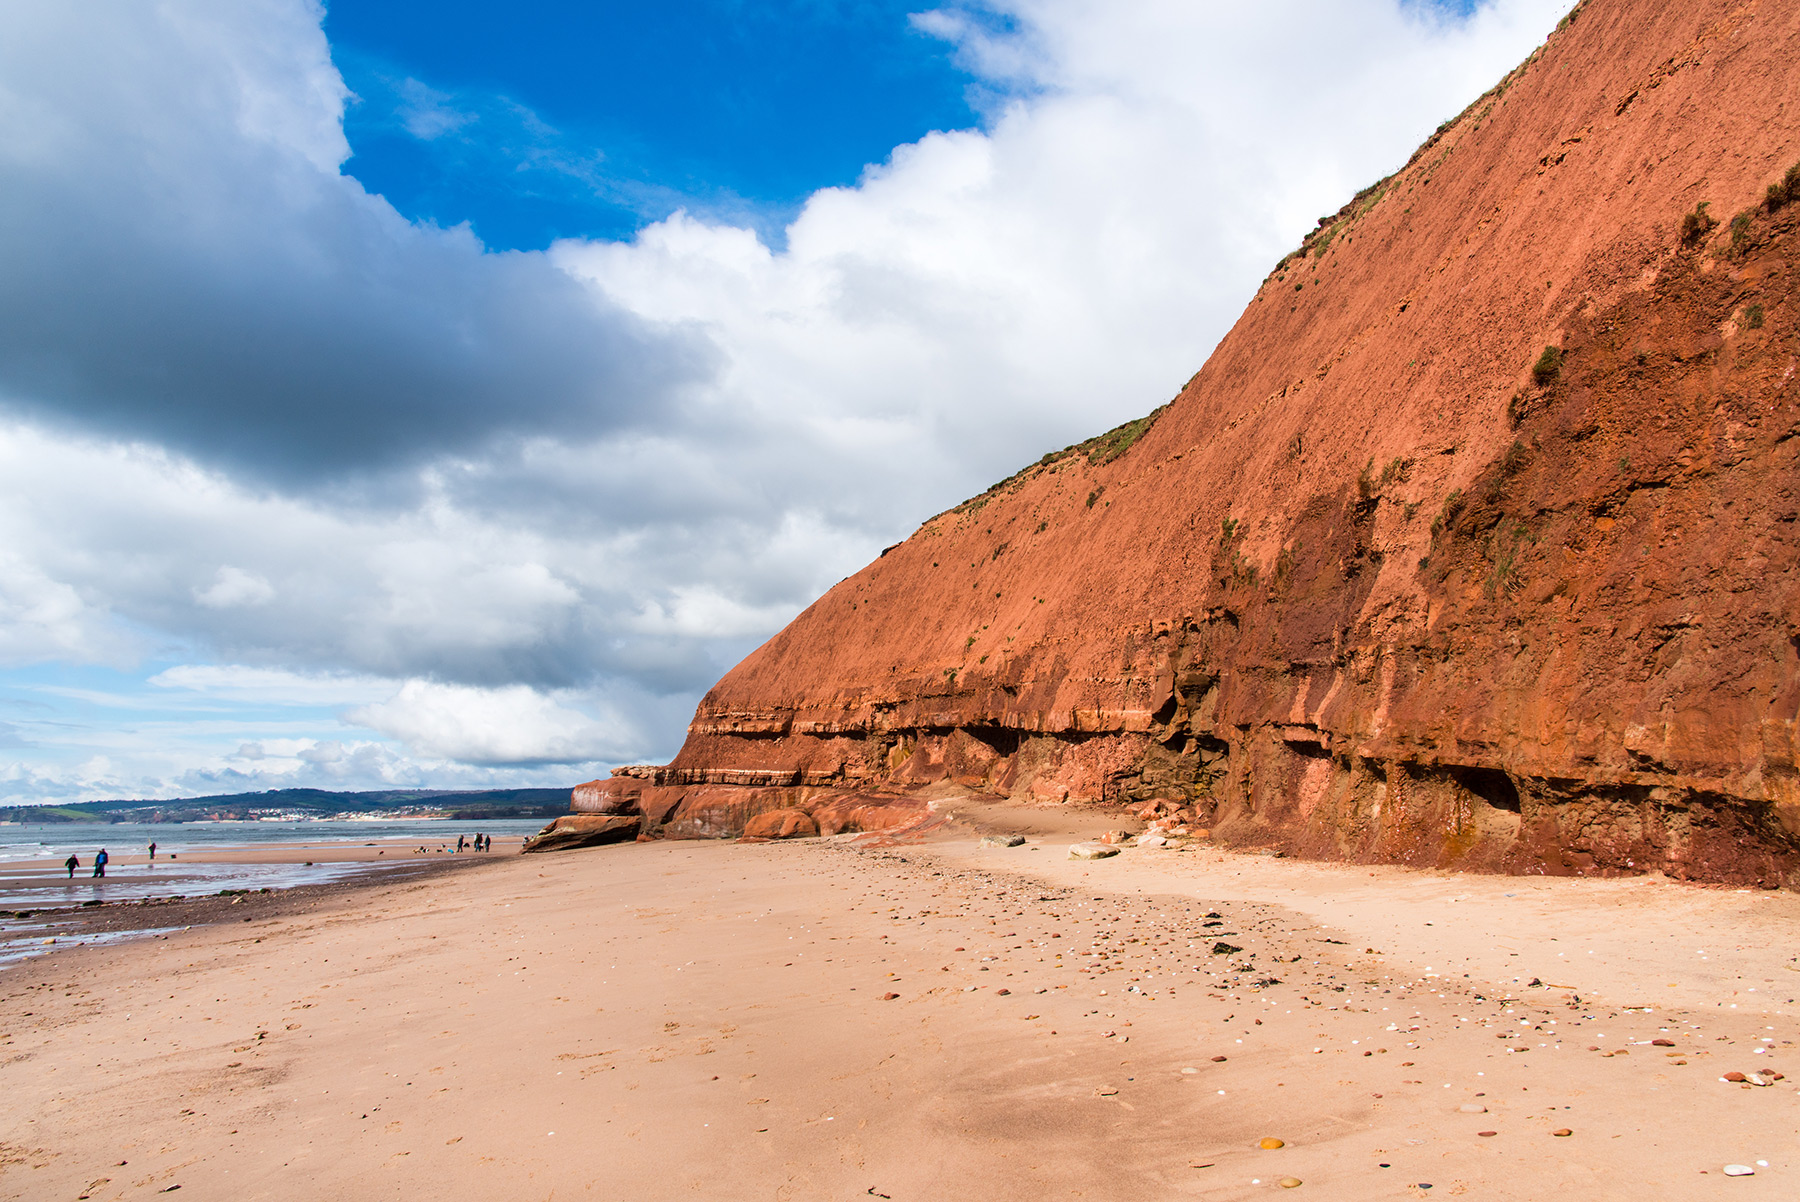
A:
[233,587]
[513,725]
[187,263]
[536,502]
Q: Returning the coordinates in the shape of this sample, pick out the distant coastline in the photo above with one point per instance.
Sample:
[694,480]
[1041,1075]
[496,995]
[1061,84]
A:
[305,805]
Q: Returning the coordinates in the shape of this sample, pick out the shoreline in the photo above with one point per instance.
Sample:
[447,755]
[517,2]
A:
[27,934]
[797,1019]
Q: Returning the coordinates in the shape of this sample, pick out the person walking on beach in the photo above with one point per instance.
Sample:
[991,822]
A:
[100,859]
[461,843]
[153,851]
[72,863]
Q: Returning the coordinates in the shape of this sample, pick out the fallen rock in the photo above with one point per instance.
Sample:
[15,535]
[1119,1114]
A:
[1152,841]
[1002,840]
[1091,851]
[781,824]
[584,830]
[1115,837]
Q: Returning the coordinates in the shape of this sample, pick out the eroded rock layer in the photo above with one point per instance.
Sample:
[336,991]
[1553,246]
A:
[1387,581]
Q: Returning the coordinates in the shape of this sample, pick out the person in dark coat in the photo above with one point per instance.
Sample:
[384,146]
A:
[100,859]
[72,863]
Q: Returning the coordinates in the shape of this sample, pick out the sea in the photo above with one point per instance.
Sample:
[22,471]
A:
[38,899]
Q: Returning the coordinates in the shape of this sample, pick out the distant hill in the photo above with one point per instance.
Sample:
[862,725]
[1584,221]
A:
[310,803]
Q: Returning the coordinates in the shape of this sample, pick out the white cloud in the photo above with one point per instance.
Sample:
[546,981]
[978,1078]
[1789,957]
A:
[522,509]
[427,113]
[234,587]
[512,725]
[272,686]
[43,618]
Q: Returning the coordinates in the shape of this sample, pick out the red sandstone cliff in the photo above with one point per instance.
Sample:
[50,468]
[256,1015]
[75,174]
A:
[1370,587]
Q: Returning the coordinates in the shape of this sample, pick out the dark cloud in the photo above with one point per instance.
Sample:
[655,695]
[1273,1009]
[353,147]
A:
[198,272]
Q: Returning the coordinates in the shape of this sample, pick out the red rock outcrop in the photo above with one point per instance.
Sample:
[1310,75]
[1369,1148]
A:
[584,830]
[1473,544]
[781,824]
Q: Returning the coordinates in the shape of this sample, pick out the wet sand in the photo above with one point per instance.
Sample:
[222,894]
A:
[712,1020]
[43,884]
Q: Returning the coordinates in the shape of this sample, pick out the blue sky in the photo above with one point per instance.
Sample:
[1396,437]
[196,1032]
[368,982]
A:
[447,395]
[547,120]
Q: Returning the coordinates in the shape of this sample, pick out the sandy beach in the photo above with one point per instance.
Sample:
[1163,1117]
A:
[858,1017]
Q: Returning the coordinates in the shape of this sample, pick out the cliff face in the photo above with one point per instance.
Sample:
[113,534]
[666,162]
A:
[1371,586]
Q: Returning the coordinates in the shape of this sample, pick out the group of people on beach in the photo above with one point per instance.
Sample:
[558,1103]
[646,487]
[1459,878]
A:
[463,843]
[101,860]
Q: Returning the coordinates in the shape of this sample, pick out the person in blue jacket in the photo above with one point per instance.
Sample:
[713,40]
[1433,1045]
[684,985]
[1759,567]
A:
[100,859]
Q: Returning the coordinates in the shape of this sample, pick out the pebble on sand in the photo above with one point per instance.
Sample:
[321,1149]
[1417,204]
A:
[1739,1170]
[1472,1108]
[1091,851]
[1271,1143]
[1560,1132]
[1289,1183]
[888,997]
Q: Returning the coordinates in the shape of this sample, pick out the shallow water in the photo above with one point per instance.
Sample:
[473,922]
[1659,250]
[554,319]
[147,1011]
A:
[123,838]
[21,942]
[32,875]
[33,879]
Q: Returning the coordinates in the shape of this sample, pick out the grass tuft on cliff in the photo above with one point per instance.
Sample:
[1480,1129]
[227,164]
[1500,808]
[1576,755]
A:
[1548,366]
[1100,450]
